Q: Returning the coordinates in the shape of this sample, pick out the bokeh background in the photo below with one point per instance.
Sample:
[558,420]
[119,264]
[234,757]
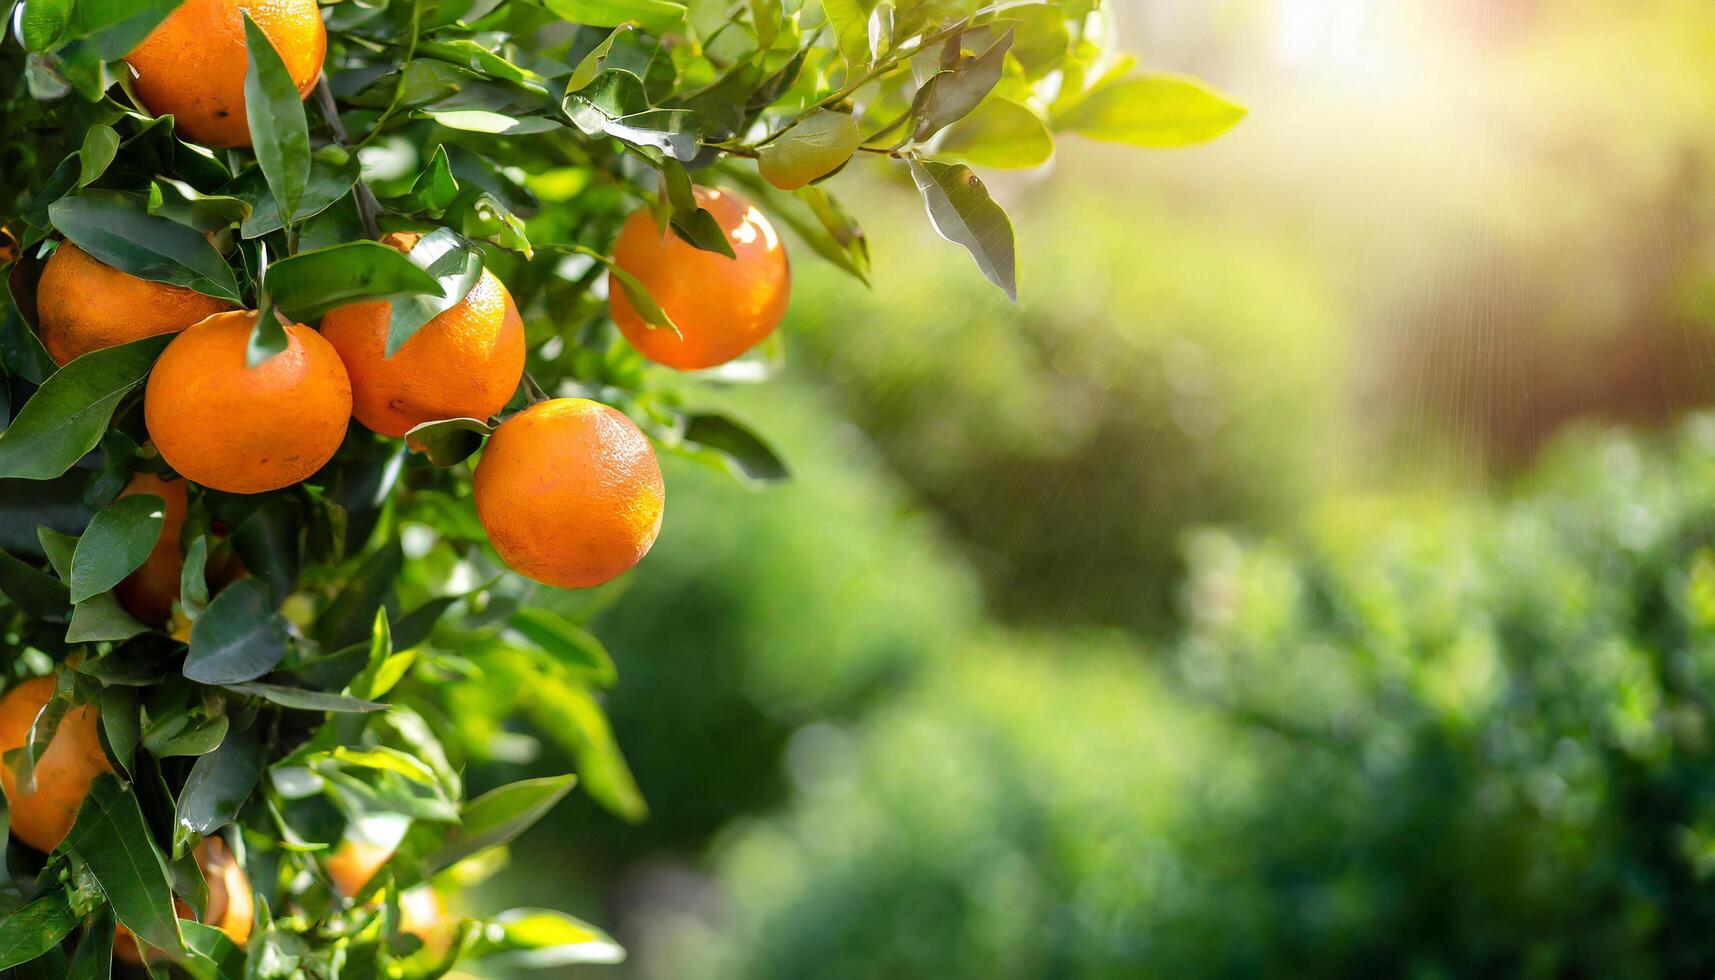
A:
[1312,575]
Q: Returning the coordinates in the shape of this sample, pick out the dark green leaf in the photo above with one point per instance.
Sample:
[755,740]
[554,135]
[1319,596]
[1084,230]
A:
[218,786]
[734,447]
[350,617]
[123,728]
[112,839]
[193,578]
[306,285]
[116,542]
[963,213]
[239,637]
[569,645]
[39,594]
[94,957]
[306,700]
[436,187]
[279,131]
[448,442]
[616,105]
[67,415]
[122,233]
[330,181]
[101,617]
[35,928]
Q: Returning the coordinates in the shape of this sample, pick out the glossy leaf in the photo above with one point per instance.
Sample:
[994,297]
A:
[279,130]
[304,699]
[121,233]
[218,786]
[36,928]
[69,412]
[952,92]
[962,212]
[118,539]
[448,442]
[100,144]
[543,939]
[239,637]
[655,16]
[568,644]
[112,839]
[308,284]
[733,447]
[454,264]
[499,816]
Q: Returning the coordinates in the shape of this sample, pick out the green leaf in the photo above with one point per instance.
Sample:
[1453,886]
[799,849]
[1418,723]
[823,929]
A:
[491,122]
[454,264]
[211,946]
[308,284]
[120,723]
[112,839]
[696,225]
[615,104]
[119,231]
[39,594]
[179,201]
[279,131]
[448,442]
[574,719]
[101,617]
[94,957]
[635,292]
[112,28]
[655,16]
[499,816]
[267,334]
[331,179]
[218,786]
[118,539]
[592,63]
[543,939]
[1154,111]
[569,645]
[67,415]
[436,187]
[817,146]
[850,21]
[962,212]
[305,700]
[1000,133]
[952,92]
[36,928]
[193,578]
[40,24]
[100,145]
[765,18]
[239,637]
[732,447]
[350,617]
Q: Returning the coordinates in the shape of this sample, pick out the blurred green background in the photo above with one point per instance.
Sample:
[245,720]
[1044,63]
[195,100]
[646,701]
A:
[1313,575]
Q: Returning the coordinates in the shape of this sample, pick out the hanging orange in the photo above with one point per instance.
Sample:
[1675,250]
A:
[85,305]
[42,818]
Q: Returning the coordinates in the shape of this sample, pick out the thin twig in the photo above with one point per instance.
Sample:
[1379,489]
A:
[367,205]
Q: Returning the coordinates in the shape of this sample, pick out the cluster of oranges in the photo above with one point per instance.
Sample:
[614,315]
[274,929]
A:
[568,490]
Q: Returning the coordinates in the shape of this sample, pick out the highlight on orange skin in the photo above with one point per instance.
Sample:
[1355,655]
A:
[192,64]
[569,492]
[722,307]
[86,305]
[42,818]
[464,363]
[149,592]
[240,429]
[231,902]
[423,913]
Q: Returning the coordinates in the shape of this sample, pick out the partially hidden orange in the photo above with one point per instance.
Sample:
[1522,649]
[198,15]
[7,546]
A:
[42,817]
[569,492]
[149,592]
[85,305]
[464,363]
[722,307]
[240,429]
[192,64]
[231,904]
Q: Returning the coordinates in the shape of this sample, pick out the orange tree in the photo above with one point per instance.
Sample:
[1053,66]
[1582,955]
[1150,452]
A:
[260,609]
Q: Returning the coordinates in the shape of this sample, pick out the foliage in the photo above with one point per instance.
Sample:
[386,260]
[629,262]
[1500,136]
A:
[342,648]
[1418,738]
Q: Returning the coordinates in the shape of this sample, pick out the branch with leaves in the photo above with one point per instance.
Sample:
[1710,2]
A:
[252,646]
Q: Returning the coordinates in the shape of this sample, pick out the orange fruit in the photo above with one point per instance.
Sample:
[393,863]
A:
[85,305]
[465,363]
[231,902]
[354,862]
[149,592]
[569,492]
[192,64]
[722,307]
[423,913]
[74,758]
[242,429]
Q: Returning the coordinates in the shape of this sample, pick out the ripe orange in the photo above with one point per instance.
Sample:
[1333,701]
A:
[85,305]
[241,429]
[231,904]
[74,758]
[465,363]
[423,913]
[354,862]
[192,64]
[569,492]
[722,307]
[148,592]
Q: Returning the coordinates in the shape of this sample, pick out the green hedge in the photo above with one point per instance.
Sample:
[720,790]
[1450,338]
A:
[1416,739]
